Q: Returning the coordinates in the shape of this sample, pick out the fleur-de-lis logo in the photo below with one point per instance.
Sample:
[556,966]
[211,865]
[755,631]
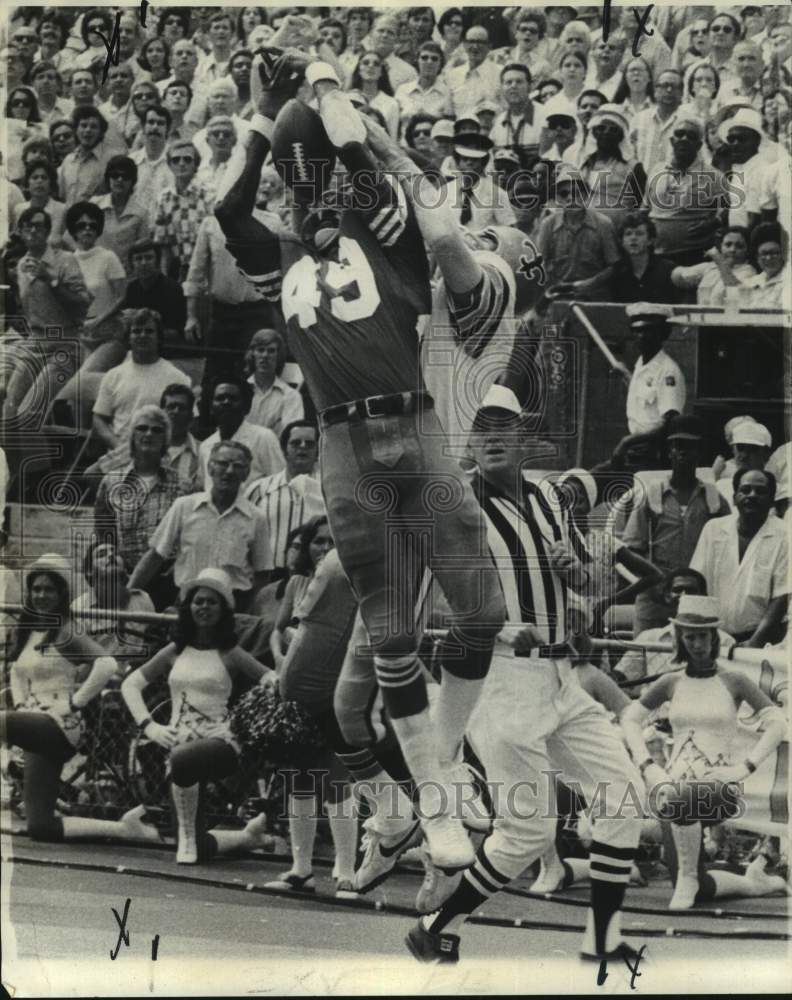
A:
[533,266]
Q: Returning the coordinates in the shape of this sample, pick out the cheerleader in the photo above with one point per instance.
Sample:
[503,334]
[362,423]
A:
[703,704]
[55,674]
[200,664]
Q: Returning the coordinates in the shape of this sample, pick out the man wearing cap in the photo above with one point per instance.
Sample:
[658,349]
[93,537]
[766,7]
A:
[669,514]
[562,127]
[218,528]
[685,199]
[657,387]
[533,717]
[477,198]
[743,134]
[520,126]
[476,79]
[751,443]
[744,560]
[578,245]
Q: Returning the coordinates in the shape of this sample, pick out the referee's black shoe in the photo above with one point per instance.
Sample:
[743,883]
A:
[428,947]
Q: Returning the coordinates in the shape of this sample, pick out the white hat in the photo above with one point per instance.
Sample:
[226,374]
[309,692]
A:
[744,118]
[500,397]
[444,129]
[750,432]
[213,579]
[610,113]
[697,611]
[51,562]
[587,481]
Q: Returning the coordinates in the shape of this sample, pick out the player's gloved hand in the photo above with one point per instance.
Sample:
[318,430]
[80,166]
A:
[276,76]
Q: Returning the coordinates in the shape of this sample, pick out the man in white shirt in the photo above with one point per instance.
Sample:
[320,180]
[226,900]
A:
[657,388]
[139,380]
[154,175]
[291,497]
[275,403]
[214,64]
[382,39]
[477,79]
[743,133]
[744,560]
[475,196]
[520,126]
[231,400]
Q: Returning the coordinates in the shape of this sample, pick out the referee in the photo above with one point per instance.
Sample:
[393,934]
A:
[533,717]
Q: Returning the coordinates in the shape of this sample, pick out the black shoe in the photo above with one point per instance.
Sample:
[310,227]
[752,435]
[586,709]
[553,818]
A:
[428,947]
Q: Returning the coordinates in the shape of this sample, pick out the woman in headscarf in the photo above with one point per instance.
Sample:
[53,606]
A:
[617,180]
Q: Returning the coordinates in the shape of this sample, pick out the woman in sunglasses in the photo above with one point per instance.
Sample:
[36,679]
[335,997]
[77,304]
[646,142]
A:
[97,26]
[450,28]
[105,279]
[428,95]
[370,78]
[723,34]
[41,184]
[23,122]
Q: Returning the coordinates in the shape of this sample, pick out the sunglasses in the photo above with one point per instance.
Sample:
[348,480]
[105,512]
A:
[21,102]
[531,29]
[429,57]
[685,134]
[182,159]
[34,225]
[143,428]
[118,177]
[86,225]
[726,29]
[698,31]
[24,39]
[375,63]
[422,132]
[221,133]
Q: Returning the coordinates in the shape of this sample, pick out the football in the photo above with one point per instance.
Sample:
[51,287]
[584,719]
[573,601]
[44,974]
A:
[302,152]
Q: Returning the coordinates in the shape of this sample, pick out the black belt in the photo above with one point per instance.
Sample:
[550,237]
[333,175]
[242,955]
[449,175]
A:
[560,651]
[375,406]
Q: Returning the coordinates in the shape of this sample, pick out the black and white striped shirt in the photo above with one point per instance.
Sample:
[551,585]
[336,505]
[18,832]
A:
[519,535]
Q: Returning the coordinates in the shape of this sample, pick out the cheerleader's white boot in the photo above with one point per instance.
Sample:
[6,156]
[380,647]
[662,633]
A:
[185,801]
[687,841]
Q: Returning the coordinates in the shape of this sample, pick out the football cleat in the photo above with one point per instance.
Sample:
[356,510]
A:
[380,855]
[436,948]
[449,845]
[622,951]
[289,882]
[436,886]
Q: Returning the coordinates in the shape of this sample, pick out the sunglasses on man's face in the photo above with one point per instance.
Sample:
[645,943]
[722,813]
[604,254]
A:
[86,224]
[686,134]
[182,159]
[118,177]
[222,133]
[422,132]
[717,29]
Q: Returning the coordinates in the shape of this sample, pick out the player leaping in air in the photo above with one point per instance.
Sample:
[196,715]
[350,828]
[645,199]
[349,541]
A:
[353,285]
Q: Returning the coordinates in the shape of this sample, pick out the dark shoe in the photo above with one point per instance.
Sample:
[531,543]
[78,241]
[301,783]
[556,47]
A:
[293,883]
[428,947]
[622,951]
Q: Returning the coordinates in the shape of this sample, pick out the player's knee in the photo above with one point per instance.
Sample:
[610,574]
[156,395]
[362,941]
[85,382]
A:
[182,766]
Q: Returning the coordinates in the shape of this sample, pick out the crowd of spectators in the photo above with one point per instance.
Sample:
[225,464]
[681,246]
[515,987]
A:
[662,177]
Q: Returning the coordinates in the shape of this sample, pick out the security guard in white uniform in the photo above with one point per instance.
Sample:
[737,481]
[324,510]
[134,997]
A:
[657,388]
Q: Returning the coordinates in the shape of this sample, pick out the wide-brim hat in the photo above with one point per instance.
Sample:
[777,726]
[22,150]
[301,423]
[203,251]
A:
[472,144]
[213,579]
[697,611]
[610,113]
[51,562]
[751,432]
[744,118]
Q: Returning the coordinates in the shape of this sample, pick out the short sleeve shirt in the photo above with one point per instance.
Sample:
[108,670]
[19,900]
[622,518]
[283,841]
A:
[655,388]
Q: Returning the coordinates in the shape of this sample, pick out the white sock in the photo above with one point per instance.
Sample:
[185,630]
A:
[342,817]
[451,710]
[302,833]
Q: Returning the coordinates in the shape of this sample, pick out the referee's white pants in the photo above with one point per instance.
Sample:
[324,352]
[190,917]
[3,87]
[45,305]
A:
[532,719]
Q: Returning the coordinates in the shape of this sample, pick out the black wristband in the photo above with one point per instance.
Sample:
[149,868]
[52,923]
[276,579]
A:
[72,706]
[144,722]
[750,765]
[644,764]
